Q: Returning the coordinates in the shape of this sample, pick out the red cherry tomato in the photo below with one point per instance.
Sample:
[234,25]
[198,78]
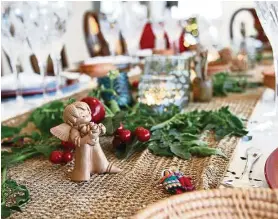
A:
[138,130]
[67,157]
[67,145]
[98,110]
[120,129]
[125,135]
[142,134]
[56,157]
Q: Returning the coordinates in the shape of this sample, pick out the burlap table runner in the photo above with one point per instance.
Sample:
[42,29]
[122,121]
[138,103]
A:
[121,195]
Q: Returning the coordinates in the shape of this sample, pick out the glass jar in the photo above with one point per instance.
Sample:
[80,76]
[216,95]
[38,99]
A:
[166,81]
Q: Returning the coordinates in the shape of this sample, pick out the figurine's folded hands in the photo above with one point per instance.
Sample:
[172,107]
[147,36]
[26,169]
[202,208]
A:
[88,139]
[78,141]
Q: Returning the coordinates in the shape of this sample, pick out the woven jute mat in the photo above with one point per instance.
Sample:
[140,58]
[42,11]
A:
[121,195]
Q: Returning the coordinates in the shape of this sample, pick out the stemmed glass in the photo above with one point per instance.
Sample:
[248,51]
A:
[37,22]
[158,29]
[131,22]
[13,40]
[173,30]
[111,33]
[267,12]
[61,12]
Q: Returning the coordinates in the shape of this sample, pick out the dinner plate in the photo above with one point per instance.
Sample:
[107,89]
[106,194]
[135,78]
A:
[271,170]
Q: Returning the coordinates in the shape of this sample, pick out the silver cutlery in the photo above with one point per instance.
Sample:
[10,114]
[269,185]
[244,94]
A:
[252,156]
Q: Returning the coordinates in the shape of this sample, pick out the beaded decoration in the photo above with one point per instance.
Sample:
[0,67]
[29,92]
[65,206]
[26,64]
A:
[175,182]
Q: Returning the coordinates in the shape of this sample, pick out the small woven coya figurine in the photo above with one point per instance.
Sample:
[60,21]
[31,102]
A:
[84,134]
[174,181]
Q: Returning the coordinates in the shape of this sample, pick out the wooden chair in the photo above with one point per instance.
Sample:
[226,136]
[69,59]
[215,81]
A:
[95,41]
[257,25]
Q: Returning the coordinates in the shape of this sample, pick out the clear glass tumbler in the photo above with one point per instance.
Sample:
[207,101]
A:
[166,81]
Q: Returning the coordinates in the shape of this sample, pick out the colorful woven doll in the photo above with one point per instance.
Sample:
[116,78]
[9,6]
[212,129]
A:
[170,182]
[185,181]
[175,182]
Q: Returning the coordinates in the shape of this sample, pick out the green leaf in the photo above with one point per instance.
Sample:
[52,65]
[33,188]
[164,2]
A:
[44,149]
[114,106]
[192,143]
[113,123]
[48,116]
[20,196]
[180,151]
[155,149]
[7,131]
[15,208]
[5,211]
[205,151]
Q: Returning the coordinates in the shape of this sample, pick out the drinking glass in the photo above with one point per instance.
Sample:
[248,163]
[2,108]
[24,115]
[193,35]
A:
[13,40]
[173,30]
[267,12]
[166,81]
[131,22]
[158,29]
[111,33]
[38,23]
[61,13]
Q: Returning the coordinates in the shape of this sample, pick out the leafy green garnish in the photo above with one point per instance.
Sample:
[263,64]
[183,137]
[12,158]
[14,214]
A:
[224,83]
[112,123]
[179,134]
[39,145]
[13,196]
[48,116]
[7,131]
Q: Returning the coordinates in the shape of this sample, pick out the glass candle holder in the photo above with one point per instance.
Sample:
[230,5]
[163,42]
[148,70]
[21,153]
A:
[166,81]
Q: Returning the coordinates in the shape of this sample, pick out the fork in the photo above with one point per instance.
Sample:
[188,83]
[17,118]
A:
[252,156]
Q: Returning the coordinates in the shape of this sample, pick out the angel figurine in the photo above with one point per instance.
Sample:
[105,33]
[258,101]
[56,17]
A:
[84,134]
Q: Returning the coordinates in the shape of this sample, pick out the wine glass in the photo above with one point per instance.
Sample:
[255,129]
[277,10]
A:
[267,12]
[13,40]
[61,12]
[173,30]
[111,33]
[158,29]
[37,23]
[131,22]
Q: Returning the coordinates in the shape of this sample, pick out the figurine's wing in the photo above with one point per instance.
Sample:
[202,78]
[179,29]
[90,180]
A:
[61,131]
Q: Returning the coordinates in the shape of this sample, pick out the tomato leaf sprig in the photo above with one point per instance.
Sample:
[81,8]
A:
[223,83]
[178,134]
[12,193]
